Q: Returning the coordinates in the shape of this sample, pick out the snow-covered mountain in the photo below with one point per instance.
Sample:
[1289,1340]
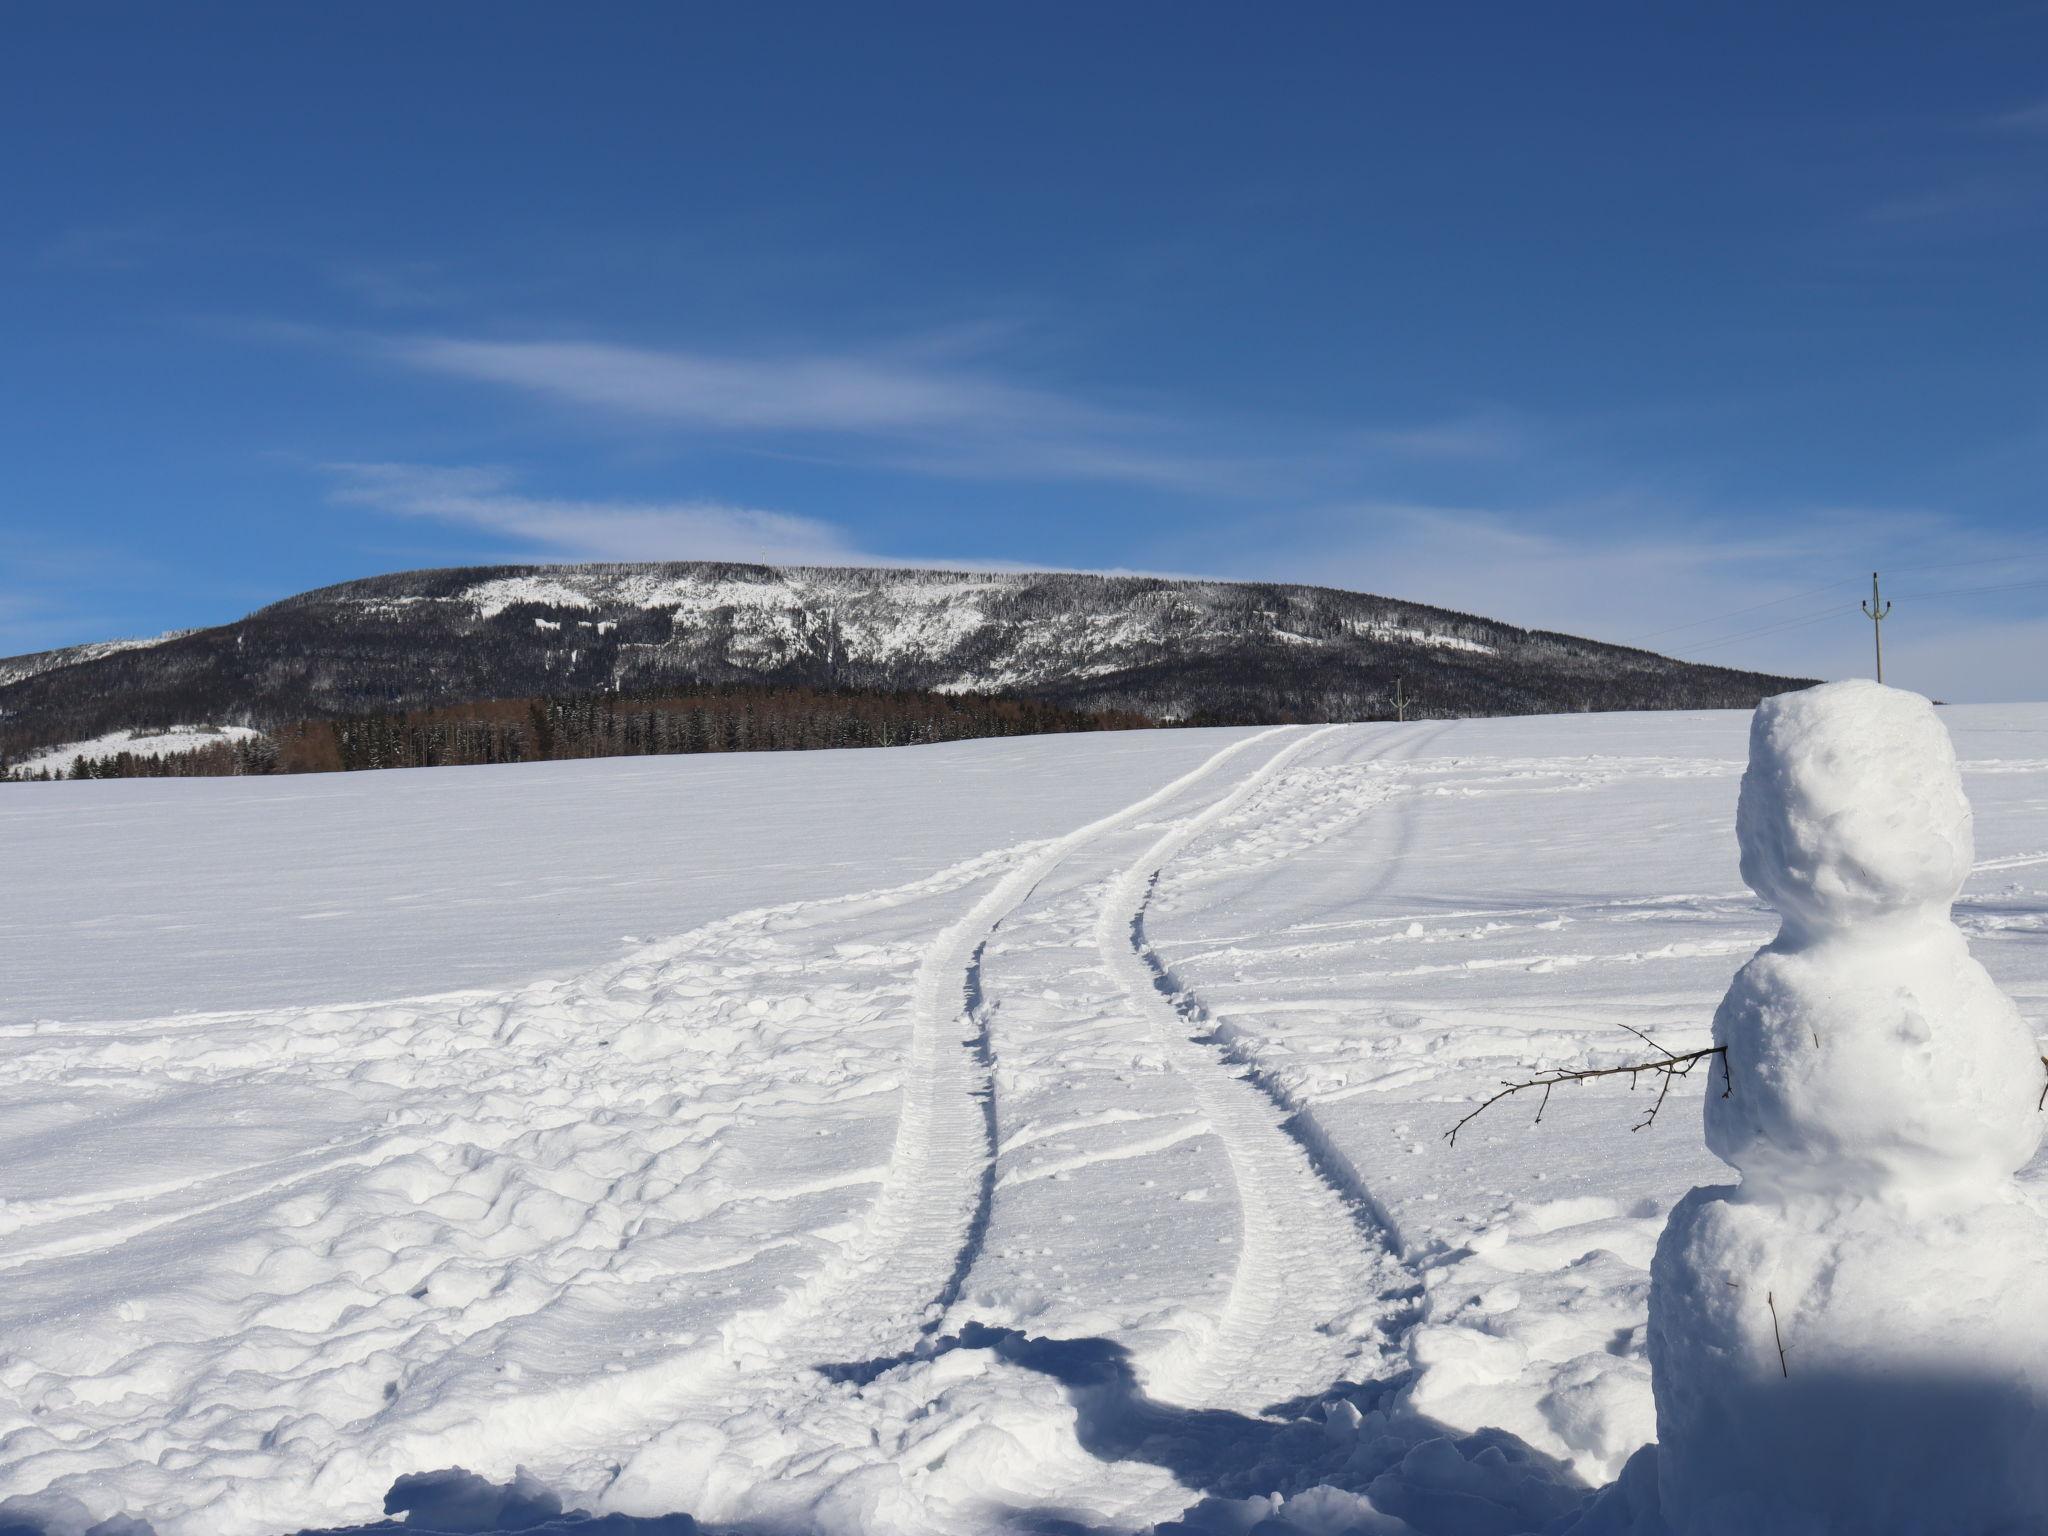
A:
[1173,650]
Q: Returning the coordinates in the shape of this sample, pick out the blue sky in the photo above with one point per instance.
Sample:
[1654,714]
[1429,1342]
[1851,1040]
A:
[1647,322]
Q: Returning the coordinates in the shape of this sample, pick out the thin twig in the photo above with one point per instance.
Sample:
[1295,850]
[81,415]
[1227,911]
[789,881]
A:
[1771,1301]
[2042,1102]
[1644,1037]
[1668,1066]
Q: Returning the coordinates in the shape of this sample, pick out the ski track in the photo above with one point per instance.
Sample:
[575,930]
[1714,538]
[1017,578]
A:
[1297,1261]
[1315,1285]
[1299,1120]
[882,1299]
[1313,1281]
[918,1240]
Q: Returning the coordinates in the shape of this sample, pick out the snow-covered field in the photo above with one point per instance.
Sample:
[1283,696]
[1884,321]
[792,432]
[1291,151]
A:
[1041,1134]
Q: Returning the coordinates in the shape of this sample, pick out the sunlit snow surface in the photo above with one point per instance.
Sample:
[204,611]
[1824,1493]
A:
[1009,1133]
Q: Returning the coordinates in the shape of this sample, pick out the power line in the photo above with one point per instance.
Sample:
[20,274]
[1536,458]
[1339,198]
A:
[2009,586]
[1832,611]
[1957,565]
[1733,613]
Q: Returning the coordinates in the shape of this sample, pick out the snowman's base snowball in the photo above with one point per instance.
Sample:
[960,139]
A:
[1913,1394]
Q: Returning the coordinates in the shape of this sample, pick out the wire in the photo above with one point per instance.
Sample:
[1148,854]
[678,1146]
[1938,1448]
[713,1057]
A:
[1957,565]
[2009,586]
[1733,613]
[1769,629]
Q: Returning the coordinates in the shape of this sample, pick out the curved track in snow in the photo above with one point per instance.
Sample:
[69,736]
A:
[1303,1255]
[892,1282]
[880,1299]
[1109,1085]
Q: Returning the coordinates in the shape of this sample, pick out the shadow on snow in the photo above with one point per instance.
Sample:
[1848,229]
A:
[1351,1459]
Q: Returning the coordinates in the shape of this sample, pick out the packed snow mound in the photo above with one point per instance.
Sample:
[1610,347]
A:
[1912,1392]
[1856,1338]
[1866,1050]
[1852,807]
[1896,1068]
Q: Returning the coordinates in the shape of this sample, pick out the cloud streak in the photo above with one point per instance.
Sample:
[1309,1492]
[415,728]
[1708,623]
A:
[813,393]
[918,410]
[2032,118]
[931,409]
[1775,595]
[485,499]
[1470,439]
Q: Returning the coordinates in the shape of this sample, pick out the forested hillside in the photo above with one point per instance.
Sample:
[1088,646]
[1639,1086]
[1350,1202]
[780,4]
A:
[1169,651]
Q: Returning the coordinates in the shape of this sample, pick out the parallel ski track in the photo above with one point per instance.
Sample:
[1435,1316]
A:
[1302,1253]
[1312,1247]
[1307,1252]
[888,1289]
[1309,1248]
[1300,1122]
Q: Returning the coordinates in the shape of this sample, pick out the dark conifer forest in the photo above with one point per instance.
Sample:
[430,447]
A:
[733,718]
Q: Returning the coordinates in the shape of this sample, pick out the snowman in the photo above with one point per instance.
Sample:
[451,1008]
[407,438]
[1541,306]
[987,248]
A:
[1854,1338]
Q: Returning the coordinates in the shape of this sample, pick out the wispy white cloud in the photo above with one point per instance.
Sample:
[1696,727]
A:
[2032,118]
[812,393]
[1775,595]
[1967,201]
[391,285]
[1462,438]
[486,499]
[935,405]
[924,408]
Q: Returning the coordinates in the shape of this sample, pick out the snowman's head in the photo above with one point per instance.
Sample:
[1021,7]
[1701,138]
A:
[1852,809]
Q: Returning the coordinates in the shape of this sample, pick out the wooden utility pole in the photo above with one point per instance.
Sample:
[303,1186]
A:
[1875,612]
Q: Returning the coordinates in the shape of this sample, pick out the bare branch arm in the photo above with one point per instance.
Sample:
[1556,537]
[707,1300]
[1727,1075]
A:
[1668,1066]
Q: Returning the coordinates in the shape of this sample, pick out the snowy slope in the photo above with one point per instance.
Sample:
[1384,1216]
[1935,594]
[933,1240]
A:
[1083,1164]
[1231,652]
[14,669]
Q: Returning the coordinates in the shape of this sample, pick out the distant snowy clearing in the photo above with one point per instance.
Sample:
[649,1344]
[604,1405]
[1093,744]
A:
[1035,1135]
[57,761]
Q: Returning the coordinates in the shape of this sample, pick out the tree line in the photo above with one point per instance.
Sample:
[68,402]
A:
[720,718]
